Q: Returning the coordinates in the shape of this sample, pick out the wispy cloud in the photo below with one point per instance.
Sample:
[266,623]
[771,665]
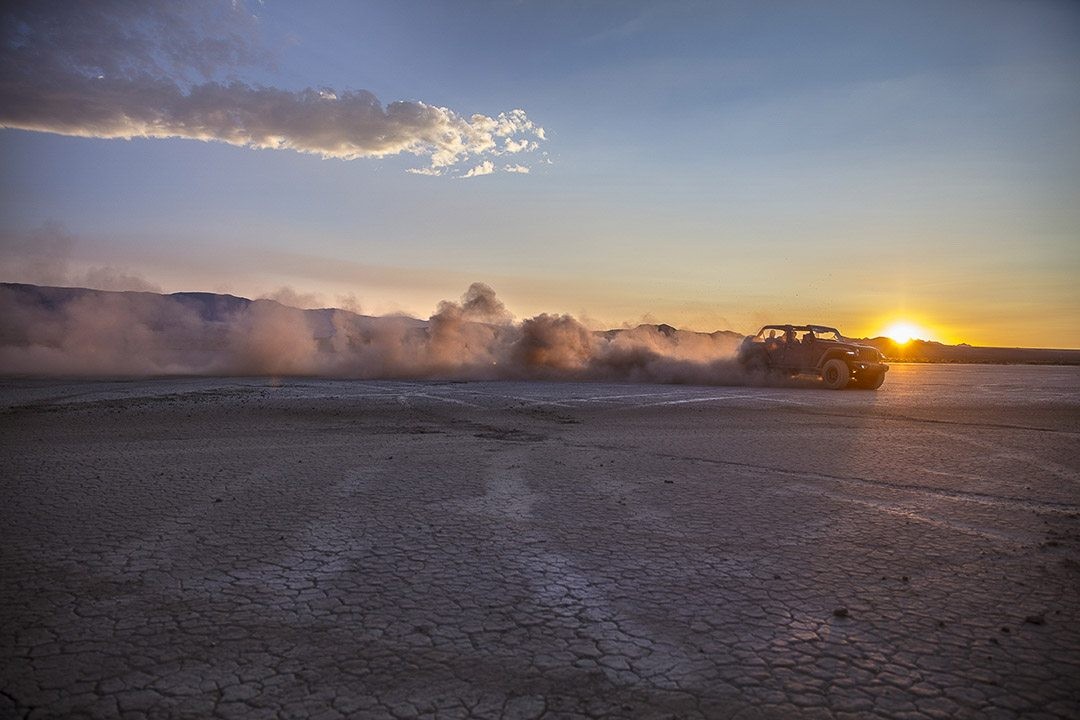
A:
[485,168]
[163,70]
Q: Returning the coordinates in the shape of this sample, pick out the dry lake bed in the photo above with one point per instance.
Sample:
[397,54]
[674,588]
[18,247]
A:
[206,548]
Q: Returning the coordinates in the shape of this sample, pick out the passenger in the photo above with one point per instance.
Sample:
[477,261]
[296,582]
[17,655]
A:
[808,337]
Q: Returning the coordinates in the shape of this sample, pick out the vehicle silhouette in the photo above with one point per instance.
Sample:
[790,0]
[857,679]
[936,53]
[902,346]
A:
[816,350]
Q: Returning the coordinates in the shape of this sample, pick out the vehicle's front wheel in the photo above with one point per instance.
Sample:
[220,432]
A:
[835,373]
[871,380]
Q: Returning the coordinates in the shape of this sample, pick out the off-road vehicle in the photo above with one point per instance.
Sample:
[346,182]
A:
[813,349]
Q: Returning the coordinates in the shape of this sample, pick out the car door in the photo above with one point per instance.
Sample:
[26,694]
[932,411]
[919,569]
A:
[786,354]
[797,353]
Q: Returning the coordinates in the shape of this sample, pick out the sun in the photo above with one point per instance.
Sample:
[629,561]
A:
[902,332]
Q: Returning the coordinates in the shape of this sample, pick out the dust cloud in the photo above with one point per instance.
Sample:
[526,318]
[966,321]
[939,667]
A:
[46,254]
[50,331]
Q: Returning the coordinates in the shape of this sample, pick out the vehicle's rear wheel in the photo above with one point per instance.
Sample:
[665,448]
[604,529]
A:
[871,380]
[835,373]
[756,365]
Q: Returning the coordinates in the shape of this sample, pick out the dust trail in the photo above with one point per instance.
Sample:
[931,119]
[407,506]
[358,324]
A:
[66,331]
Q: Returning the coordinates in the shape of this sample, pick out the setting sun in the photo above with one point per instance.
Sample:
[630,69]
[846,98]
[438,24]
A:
[903,331]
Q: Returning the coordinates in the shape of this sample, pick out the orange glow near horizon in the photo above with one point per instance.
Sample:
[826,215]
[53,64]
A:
[904,331]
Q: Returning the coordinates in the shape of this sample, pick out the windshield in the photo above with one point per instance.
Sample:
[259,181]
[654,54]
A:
[828,335]
[797,334]
[770,335]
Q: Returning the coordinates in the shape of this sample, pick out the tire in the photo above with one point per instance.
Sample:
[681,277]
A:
[871,381]
[756,365]
[835,373]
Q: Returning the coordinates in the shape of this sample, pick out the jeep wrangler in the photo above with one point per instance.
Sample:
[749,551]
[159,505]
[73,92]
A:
[813,349]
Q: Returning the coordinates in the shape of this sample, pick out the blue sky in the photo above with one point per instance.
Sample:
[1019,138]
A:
[710,165]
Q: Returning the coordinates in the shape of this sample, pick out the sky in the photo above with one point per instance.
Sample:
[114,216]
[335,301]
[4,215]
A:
[710,165]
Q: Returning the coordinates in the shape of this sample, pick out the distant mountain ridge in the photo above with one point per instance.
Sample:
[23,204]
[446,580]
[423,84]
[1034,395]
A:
[934,352]
[211,306]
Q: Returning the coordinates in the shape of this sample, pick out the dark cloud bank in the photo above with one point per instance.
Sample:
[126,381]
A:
[66,331]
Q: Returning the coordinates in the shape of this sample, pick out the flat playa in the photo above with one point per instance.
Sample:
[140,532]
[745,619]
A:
[240,548]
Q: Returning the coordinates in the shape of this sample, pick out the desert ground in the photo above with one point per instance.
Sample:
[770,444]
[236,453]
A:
[249,548]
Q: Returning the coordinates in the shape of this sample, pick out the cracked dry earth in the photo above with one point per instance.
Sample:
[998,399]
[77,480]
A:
[239,549]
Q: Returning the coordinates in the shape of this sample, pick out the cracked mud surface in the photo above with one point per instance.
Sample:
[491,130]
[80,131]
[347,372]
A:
[231,548]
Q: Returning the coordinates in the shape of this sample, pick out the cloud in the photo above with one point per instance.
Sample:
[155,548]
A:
[485,168]
[115,69]
[516,169]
